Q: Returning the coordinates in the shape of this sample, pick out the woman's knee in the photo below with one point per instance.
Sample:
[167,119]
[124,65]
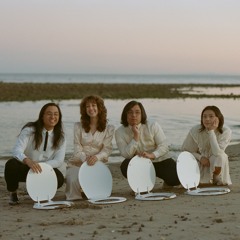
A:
[167,171]
[11,163]
[12,167]
[60,178]
[219,161]
[124,166]
[72,180]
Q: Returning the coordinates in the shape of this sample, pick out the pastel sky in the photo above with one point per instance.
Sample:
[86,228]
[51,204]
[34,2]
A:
[120,36]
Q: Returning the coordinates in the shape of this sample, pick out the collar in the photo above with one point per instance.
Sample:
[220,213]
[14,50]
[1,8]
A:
[139,126]
[49,132]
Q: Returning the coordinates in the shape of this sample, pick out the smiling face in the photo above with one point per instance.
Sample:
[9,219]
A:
[92,109]
[134,115]
[50,117]
[208,118]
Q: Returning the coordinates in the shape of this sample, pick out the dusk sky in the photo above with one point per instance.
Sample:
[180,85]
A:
[120,36]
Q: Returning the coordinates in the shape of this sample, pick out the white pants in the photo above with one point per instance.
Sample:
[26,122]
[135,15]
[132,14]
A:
[216,161]
[73,188]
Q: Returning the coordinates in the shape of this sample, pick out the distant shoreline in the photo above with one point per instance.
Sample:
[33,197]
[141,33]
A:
[66,91]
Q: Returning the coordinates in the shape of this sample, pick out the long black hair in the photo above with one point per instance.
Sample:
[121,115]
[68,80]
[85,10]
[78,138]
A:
[38,126]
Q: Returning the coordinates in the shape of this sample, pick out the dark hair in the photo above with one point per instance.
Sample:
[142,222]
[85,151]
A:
[129,106]
[102,113]
[218,114]
[39,125]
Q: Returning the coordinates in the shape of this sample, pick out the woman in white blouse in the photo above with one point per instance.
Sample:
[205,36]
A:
[207,142]
[137,136]
[92,142]
[39,141]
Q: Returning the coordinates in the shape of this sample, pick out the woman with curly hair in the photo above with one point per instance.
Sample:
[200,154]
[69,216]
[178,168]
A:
[92,142]
[207,141]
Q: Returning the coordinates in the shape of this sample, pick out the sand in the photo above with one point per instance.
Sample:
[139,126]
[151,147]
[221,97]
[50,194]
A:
[185,217]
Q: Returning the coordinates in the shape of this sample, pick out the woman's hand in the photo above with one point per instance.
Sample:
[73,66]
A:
[147,155]
[32,165]
[91,160]
[214,124]
[204,162]
[135,132]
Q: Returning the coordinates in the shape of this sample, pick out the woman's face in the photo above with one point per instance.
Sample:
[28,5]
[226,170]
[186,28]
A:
[209,119]
[92,109]
[50,117]
[134,115]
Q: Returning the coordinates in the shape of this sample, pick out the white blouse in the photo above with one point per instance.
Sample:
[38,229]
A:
[206,143]
[152,139]
[212,145]
[25,147]
[88,144]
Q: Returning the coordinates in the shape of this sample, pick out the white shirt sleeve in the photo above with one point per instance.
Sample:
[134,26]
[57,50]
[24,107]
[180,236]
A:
[126,149]
[219,144]
[25,147]
[160,141]
[191,146]
[152,139]
[78,153]
[106,144]
[21,143]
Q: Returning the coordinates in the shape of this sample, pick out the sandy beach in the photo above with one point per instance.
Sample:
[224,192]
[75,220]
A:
[174,57]
[184,217]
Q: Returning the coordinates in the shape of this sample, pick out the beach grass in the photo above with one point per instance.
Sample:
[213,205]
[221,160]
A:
[66,91]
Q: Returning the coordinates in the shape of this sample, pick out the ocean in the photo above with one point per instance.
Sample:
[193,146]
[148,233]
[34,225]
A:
[121,78]
[176,116]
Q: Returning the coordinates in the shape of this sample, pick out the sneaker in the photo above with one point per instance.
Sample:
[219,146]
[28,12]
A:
[217,180]
[13,199]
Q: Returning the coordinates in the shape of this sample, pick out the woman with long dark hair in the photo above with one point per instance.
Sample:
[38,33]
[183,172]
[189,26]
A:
[39,141]
[207,141]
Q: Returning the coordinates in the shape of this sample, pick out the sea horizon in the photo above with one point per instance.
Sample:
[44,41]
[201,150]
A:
[108,78]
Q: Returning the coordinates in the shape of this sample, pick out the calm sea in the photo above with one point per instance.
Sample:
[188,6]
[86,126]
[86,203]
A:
[176,116]
[110,78]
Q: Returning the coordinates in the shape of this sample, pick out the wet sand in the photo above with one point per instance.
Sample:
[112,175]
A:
[185,217]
